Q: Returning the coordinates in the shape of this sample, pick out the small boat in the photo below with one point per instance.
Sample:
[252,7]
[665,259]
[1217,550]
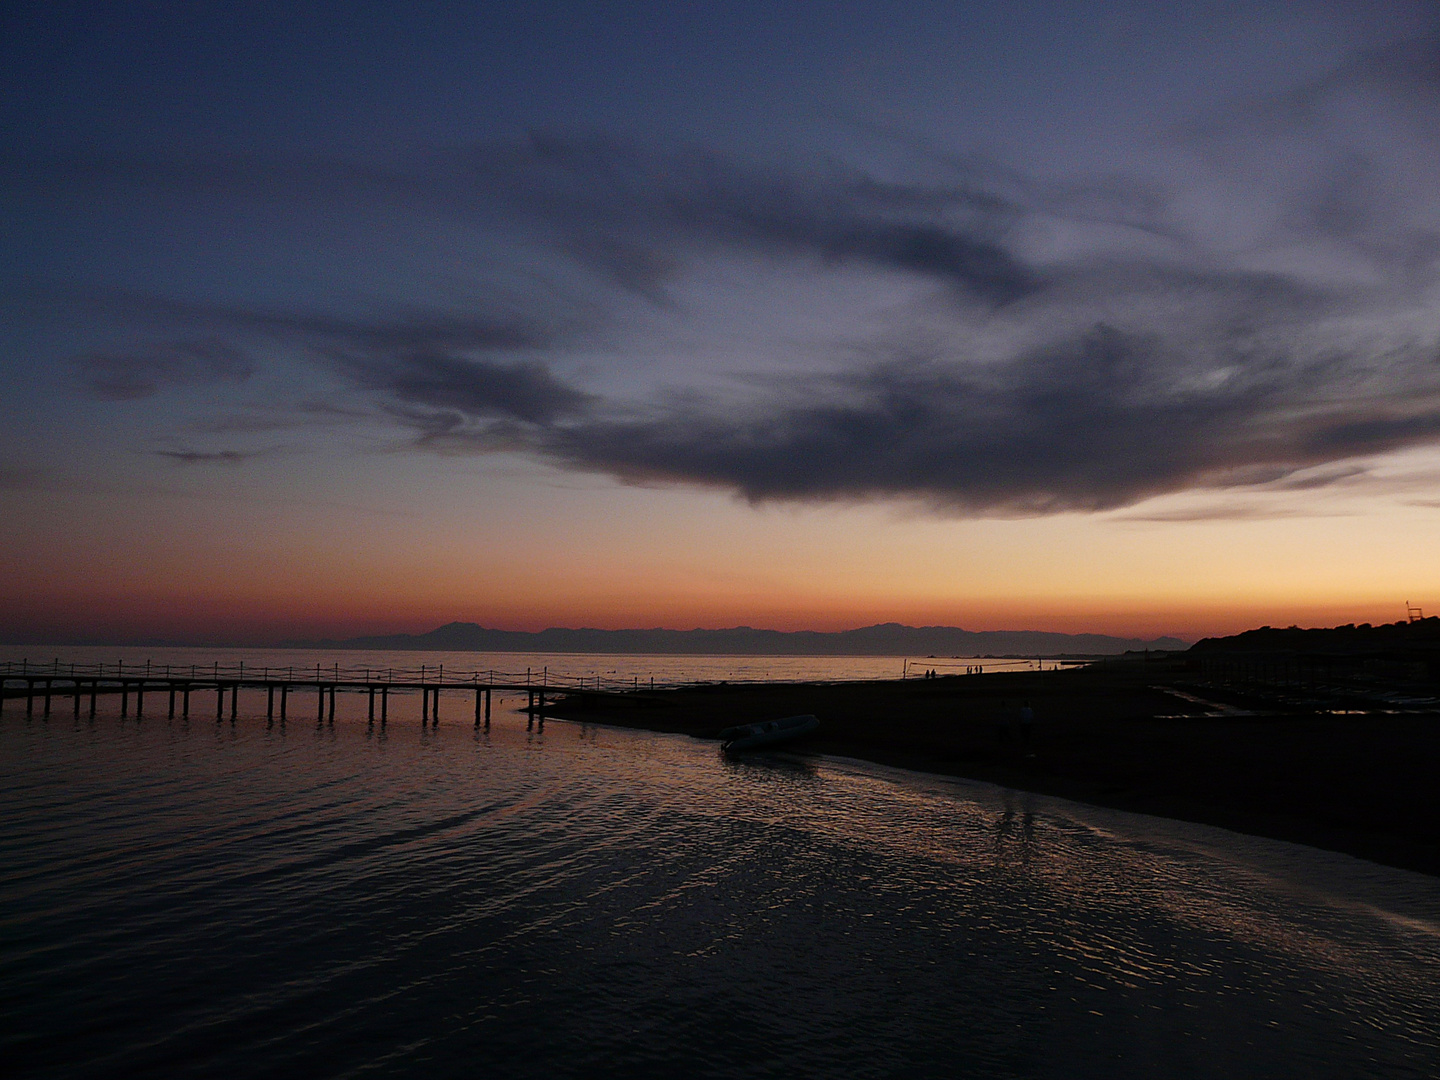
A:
[750,736]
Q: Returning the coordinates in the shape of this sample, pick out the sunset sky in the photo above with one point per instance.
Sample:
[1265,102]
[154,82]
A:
[1060,316]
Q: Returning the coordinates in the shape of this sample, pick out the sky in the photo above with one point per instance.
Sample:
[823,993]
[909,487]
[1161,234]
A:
[320,320]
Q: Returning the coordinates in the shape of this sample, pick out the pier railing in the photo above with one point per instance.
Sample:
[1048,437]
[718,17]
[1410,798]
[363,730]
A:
[428,675]
[309,675]
[122,673]
[44,682]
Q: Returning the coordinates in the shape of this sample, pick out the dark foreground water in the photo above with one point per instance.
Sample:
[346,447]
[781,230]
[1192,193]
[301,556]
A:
[243,900]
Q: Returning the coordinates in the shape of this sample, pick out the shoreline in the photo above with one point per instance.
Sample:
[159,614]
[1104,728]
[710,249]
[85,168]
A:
[1120,739]
[1381,849]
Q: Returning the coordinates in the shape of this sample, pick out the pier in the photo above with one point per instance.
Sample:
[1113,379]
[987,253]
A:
[288,691]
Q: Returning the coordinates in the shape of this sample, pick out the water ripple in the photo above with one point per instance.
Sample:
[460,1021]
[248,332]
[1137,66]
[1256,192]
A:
[252,900]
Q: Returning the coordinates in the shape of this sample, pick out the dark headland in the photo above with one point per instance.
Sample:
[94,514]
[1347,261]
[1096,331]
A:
[1324,737]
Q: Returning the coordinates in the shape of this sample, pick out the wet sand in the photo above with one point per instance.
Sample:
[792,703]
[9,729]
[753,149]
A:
[1114,735]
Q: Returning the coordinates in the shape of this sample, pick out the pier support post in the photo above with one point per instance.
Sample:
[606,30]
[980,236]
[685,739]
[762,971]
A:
[139,700]
[284,693]
[234,700]
[371,690]
[47,697]
[332,703]
[478,692]
[94,692]
[435,707]
[488,692]
[424,706]
[384,704]
[185,704]
[124,700]
[77,699]
[171,714]
[29,697]
[319,703]
[219,702]
[270,702]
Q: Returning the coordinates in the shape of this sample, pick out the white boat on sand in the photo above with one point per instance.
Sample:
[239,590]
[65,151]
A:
[767,732]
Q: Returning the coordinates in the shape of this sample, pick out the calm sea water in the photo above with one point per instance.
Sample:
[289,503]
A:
[215,899]
[562,667]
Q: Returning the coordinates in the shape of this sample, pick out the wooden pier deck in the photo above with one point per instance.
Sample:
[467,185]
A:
[81,685]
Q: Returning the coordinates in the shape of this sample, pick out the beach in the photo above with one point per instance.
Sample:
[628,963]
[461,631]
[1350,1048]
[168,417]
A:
[1120,735]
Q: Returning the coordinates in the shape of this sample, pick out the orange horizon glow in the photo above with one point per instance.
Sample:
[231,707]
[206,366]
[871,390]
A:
[519,551]
[202,620]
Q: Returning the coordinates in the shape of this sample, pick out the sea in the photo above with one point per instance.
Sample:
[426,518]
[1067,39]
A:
[250,898]
[562,669]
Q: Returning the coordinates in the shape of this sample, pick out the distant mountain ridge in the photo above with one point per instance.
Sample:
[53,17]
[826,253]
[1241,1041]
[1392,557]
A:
[883,639]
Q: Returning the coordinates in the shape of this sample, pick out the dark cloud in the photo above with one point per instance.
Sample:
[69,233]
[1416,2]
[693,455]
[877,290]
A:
[1088,424]
[1349,156]
[1323,478]
[437,371]
[392,332]
[452,432]
[209,457]
[1405,72]
[440,372]
[1349,436]
[471,388]
[143,372]
[1088,346]
[405,333]
[627,210]
[447,369]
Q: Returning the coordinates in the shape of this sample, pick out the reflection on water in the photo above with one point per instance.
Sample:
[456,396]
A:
[752,765]
[1018,835]
[252,899]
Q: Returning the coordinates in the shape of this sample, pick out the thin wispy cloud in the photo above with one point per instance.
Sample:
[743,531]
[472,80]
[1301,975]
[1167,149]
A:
[209,457]
[1227,511]
[632,207]
[143,372]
